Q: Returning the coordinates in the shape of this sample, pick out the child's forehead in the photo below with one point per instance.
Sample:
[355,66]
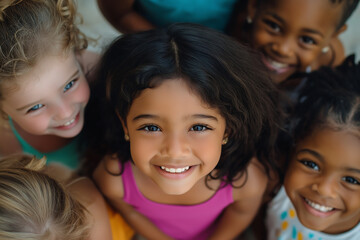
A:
[317,11]
[308,4]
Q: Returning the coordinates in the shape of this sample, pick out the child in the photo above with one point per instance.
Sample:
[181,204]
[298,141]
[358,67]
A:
[180,114]
[129,16]
[295,36]
[35,206]
[321,194]
[43,87]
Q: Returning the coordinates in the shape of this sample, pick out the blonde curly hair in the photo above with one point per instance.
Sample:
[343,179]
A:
[34,206]
[30,29]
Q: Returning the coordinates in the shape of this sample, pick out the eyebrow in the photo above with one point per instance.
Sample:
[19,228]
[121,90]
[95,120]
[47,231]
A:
[312,152]
[353,170]
[33,103]
[195,116]
[308,30]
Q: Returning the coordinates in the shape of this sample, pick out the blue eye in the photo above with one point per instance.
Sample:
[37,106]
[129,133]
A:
[308,40]
[36,107]
[69,85]
[310,164]
[151,128]
[199,128]
[351,180]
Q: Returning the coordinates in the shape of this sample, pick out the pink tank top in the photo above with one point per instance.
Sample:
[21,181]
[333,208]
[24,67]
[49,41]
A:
[178,221]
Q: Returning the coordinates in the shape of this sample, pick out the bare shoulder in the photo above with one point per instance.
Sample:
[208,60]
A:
[108,178]
[8,142]
[85,191]
[253,183]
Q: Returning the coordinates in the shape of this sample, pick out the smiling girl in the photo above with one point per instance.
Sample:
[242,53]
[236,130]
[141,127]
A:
[43,89]
[184,132]
[295,36]
[321,194]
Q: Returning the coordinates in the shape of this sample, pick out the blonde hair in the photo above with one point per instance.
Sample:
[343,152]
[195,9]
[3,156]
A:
[35,206]
[30,29]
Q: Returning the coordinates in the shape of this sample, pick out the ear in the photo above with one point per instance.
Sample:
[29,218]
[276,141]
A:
[340,30]
[251,8]
[123,123]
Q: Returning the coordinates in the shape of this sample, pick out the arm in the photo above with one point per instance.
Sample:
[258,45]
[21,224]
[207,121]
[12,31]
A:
[247,201]
[122,16]
[111,186]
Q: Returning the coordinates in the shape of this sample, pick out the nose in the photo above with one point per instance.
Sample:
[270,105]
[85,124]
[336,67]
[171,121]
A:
[63,111]
[175,146]
[284,47]
[327,187]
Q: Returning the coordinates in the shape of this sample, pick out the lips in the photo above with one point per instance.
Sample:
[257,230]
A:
[175,170]
[69,124]
[317,209]
[276,66]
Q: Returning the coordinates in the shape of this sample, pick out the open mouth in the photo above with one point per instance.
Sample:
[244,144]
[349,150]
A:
[175,170]
[318,207]
[275,66]
[69,122]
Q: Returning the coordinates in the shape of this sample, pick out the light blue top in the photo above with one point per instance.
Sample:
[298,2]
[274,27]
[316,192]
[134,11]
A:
[69,155]
[211,13]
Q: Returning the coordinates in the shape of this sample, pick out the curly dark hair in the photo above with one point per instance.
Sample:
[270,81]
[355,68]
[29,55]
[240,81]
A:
[330,98]
[225,74]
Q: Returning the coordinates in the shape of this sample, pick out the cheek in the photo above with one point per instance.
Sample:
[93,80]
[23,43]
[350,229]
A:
[83,92]
[142,150]
[208,150]
[35,125]
[293,178]
[308,57]
[259,36]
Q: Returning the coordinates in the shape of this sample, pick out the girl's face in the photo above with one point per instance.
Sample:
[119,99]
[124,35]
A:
[175,138]
[291,33]
[50,99]
[323,180]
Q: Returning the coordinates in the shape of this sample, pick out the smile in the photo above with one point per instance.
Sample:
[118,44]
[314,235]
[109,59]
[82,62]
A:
[276,66]
[319,207]
[175,170]
[69,122]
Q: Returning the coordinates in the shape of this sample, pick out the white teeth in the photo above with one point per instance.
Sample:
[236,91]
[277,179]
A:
[69,122]
[319,207]
[175,170]
[277,64]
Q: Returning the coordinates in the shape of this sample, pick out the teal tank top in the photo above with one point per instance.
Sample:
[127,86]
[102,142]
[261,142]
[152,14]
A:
[211,13]
[69,155]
